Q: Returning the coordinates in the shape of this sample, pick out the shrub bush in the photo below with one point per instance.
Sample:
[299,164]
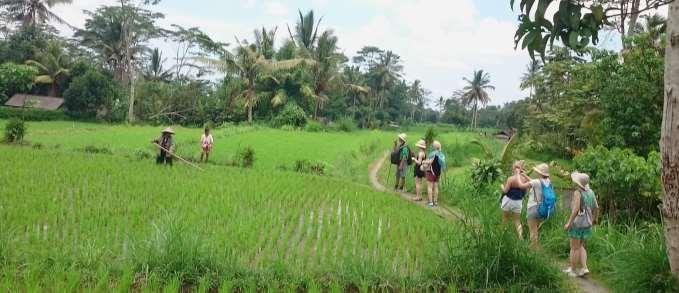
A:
[15,130]
[626,184]
[292,115]
[346,124]
[430,135]
[314,126]
[309,167]
[245,157]
[31,114]
[15,79]
[90,149]
[485,172]
[94,96]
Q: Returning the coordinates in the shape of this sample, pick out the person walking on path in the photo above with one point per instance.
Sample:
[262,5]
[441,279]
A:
[583,216]
[400,157]
[536,198]
[513,192]
[434,166]
[206,142]
[418,168]
[166,147]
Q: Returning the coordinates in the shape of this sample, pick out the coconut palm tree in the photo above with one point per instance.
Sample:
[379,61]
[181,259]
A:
[53,65]
[306,31]
[529,78]
[250,66]
[154,69]
[33,12]
[475,93]
[264,40]
[387,71]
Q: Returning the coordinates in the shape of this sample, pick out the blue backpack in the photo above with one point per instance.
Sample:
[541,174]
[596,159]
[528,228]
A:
[547,207]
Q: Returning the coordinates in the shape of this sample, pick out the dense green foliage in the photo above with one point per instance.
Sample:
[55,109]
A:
[15,79]
[291,115]
[29,114]
[15,130]
[626,183]
[94,95]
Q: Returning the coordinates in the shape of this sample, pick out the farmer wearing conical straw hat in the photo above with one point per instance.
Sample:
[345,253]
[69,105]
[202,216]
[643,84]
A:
[166,146]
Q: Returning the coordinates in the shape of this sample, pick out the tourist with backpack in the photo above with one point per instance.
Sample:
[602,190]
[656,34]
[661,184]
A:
[400,156]
[434,167]
[513,192]
[419,170]
[583,216]
[541,202]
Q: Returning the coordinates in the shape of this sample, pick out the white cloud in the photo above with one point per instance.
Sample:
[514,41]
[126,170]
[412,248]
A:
[275,8]
[441,41]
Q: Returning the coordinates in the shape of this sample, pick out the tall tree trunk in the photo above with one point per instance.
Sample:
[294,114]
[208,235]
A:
[669,142]
[250,113]
[130,109]
[54,89]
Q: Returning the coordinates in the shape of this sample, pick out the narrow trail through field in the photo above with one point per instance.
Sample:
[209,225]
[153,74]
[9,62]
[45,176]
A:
[585,284]
[441,211]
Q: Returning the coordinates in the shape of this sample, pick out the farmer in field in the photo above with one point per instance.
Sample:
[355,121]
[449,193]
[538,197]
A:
[583,216]
[166,147]
[206,142]
[434,166]
[419,168]
[513,192]
[399,157]
[541,202]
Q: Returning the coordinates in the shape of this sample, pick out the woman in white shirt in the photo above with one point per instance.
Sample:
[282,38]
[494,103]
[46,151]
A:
[534,198]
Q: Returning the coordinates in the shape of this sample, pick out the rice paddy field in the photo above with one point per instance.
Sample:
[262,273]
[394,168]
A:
[73,219]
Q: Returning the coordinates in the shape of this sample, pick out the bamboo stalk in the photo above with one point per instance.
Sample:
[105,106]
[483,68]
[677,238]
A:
[178,157]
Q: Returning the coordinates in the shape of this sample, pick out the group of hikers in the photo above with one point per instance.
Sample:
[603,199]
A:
[166,146]
[540,207]
[425,167]
[540,204]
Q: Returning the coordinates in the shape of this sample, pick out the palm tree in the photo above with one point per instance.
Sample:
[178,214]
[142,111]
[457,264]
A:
[475,93]
[306,31]
[33,12]
[264,40]
[354,84]
[386,72]
[416,95]
[250,65]
[154,70]
[529,78]
[324,69]
[53,66]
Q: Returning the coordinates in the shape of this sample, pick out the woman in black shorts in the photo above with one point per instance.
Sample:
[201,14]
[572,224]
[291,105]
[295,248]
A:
[419,174]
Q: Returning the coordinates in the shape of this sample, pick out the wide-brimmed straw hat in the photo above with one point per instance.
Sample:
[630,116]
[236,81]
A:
[581,179]
[168,130]
[421,144]
[542,169]
[403,137]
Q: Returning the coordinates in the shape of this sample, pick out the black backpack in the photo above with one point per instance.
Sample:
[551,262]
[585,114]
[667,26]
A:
[396,155]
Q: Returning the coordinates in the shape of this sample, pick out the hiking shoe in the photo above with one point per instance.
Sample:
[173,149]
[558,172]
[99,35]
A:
[583,273]
[431,204]
[572,274]
[568,270]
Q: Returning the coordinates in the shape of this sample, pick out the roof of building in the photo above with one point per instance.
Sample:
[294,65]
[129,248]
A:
[31,101]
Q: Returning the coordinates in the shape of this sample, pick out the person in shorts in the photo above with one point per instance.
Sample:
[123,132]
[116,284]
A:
[418,169]
[534,199]
[513,192]
[583,216]
[433,174]
[402,167]
[206,144]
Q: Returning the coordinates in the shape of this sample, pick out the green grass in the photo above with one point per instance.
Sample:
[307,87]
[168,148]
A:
[79,220]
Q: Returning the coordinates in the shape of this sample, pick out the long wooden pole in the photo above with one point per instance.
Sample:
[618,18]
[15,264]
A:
[178,157]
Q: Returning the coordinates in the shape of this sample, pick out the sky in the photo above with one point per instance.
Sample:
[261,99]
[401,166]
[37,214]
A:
[439,41]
